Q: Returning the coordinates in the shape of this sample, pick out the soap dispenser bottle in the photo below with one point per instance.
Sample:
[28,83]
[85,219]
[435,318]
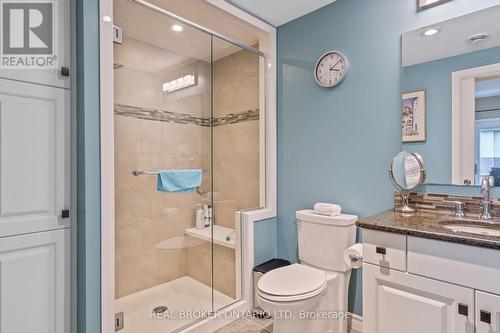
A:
[200,216]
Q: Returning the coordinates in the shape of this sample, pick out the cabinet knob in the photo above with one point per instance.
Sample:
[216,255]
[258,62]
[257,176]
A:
[380,250]
[463,310]
[485,316]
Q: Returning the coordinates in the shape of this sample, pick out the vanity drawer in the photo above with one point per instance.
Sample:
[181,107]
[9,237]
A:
[384,249]
[466,265]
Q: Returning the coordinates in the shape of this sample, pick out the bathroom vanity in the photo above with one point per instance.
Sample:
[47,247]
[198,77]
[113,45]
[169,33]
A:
[423,273]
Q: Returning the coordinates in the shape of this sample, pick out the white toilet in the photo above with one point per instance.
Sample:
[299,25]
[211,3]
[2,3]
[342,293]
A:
[312,296]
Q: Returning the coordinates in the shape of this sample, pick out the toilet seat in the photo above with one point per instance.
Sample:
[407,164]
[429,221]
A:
[292,283]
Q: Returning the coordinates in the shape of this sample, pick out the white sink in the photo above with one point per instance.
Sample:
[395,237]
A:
[473,229]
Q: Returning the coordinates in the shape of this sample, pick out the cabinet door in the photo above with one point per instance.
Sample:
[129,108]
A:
[487,313]
[34,283]
[62,45]
[396,302]
[34,157]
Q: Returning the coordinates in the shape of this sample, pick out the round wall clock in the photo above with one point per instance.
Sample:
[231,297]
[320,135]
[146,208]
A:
[331,68]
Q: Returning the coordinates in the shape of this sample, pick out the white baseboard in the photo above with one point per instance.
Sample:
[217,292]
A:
[356,323]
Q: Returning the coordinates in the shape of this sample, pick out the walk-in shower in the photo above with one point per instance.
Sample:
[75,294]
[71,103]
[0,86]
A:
[184,99]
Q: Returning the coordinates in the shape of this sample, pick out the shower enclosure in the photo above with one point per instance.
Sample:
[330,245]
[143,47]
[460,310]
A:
[184,99]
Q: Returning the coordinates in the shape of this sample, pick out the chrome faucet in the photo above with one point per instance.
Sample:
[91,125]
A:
[486,183]
[459,208]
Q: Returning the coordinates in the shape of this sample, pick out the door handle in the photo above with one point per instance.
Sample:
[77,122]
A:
[65,213]
[485,316]
[463,310]
[65,71]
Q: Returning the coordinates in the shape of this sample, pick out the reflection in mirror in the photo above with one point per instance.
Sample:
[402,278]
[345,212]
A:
[407,171]
[451,97]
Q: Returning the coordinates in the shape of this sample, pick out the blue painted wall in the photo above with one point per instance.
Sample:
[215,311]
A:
[335,145]
[88,168]
[435,78]
[265,247]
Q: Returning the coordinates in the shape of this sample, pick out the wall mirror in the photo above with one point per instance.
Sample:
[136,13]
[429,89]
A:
[451,97]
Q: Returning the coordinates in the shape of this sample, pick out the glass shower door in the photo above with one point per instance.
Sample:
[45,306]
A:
[162,98]
[184,100]
[238,77]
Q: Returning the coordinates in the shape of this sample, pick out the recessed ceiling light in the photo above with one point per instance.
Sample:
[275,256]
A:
[177,28]
[431,32]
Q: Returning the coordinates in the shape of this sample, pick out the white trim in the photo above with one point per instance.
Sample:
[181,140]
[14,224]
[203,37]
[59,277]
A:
[356,322]
[107,169]
[215,322]
[222,4]
[461,121]
[73,174]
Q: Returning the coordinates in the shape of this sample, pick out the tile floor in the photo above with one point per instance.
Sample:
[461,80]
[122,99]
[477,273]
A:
[253,325]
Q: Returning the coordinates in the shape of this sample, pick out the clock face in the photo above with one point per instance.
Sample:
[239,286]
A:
[331,69]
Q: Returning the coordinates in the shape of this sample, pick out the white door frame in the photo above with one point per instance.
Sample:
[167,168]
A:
[463,118]
[247,218]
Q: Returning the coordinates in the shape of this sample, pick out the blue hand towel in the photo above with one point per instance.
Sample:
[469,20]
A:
[183,181]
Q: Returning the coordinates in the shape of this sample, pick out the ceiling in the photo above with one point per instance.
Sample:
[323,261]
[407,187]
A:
[278,12]
[452,40]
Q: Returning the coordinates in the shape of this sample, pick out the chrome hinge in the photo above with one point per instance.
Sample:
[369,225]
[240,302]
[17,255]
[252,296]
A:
[119,321]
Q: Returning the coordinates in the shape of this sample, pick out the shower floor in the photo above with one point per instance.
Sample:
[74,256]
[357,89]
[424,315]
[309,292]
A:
[182,294]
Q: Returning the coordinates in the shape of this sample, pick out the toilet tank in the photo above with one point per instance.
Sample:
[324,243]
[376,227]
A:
[323,239]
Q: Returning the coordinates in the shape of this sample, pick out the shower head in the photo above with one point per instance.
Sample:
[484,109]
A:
[117,65]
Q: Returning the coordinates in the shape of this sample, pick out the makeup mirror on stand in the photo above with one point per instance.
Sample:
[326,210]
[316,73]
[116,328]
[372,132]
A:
[406,172]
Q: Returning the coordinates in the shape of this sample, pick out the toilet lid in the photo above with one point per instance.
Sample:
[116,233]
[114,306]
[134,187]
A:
[292,280]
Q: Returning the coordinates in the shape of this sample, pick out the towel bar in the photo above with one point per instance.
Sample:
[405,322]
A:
[146,172]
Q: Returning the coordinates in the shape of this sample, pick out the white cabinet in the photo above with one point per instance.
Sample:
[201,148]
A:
[34,157]
[34,283]
[474,267]
[396,302]
[441,287]
[487,313]
[62,45]
[385,249]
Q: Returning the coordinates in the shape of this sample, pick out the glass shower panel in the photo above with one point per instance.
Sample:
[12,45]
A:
[237,79]
[162,98]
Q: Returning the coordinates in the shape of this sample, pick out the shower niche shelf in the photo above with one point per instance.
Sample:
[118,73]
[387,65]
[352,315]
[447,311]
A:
[220,235]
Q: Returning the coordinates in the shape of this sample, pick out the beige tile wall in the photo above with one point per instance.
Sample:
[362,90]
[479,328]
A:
[236,146]
[144,216]
[236,163]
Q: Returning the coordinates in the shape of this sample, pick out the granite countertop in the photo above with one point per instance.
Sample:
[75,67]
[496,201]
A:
[432,225]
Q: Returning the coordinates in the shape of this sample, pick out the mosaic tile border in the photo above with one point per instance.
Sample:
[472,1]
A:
[183,118]
[159,115]
[234,118]
[432,202]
